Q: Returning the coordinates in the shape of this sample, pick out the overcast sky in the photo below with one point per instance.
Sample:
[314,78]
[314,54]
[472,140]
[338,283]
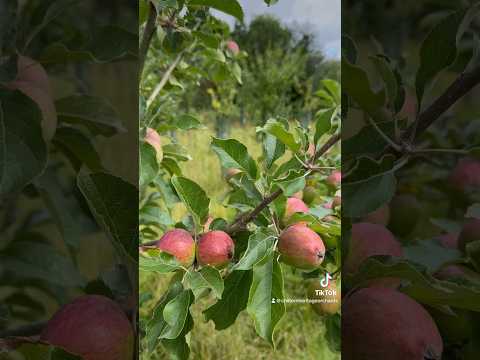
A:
[320,17]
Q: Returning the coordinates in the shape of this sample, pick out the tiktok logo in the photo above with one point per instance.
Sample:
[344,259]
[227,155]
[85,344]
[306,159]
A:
[326,280]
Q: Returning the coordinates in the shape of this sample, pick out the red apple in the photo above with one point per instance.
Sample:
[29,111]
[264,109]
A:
[335,178]
[369,240]
[466,174]
[93,327]
[215,248]
[233,47]
[405,212]
[179,243]
[301,247]
[470,232]
[380,216]
[153,138]
[381,323]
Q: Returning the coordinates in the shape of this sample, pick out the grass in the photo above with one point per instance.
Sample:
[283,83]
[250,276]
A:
[299,335]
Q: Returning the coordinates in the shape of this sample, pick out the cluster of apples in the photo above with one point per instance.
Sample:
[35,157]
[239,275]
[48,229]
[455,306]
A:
[379,321]
[214,248]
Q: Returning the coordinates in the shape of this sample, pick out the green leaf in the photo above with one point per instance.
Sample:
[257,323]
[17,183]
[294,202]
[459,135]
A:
[210,40]
[143,10]
[163,263]
[356,85]
[234,154]
[430,254]
[105,44]
[349,49]
[194,198]
[368,141]
[113,203]
[8,22]
[443,39]
[34,260]
[273,149]
[206,278]
[473,211]
[323,122]
[60,207]
[371,185]
[155,215]
[176,151]
[175,315]
[49,13]
[447,225]
[473,252]
[234,300]
[292,183]
[419,284]
[260,245]
[32,350]
[23,152]
[388,76]
[171,165]
[278,130]
[237,73]
[334,332]
[182,122]
[164,4]
[265,291]
[333,88]
[230,7]
[166,190]
[148,164]
[367,196]
[94,113]
[178,348]
[78,148]
[157,324]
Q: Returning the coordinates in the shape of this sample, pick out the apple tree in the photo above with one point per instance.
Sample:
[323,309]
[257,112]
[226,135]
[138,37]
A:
[286,203]
[410,187]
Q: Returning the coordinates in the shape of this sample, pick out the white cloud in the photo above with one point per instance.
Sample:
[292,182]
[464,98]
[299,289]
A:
[321,17]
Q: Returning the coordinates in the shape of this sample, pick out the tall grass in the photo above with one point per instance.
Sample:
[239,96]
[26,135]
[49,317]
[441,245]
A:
[300,334]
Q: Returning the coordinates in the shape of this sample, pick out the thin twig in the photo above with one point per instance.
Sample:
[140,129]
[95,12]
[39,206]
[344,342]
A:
[165,77]
[459,88]
[385,137]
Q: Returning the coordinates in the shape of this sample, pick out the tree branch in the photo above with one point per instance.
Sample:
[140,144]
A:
[243,220]
[146,39]
[248,217]
[459,88]
[332,141]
